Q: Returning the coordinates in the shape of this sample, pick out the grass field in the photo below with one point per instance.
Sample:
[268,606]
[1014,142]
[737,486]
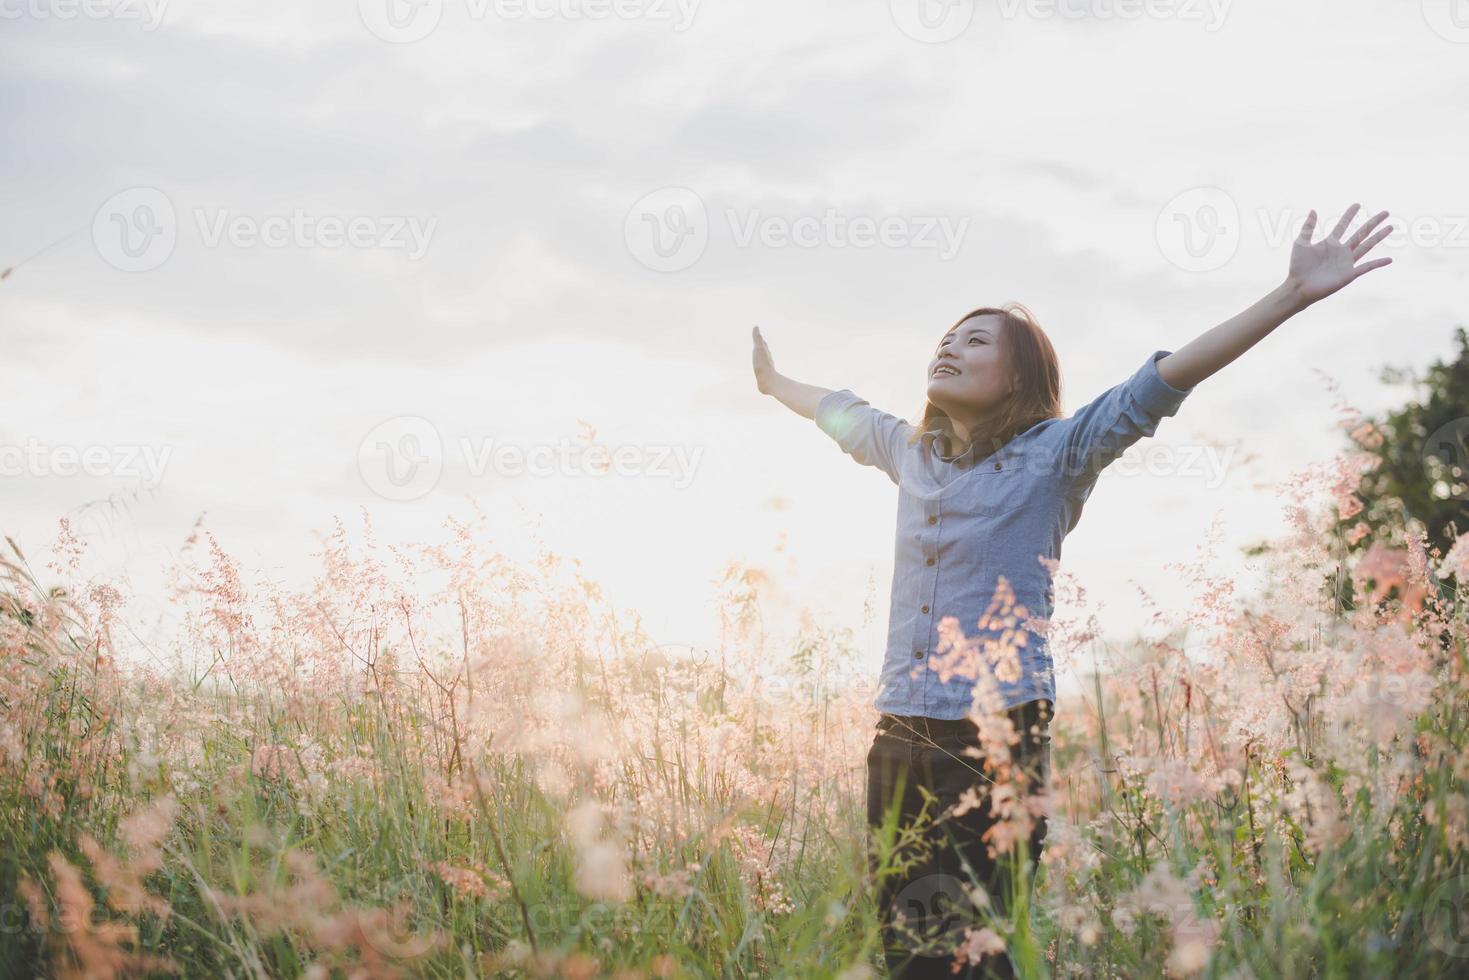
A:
[434,763]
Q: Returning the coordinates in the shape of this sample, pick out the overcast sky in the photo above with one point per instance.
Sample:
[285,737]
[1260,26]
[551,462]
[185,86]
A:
[275,262]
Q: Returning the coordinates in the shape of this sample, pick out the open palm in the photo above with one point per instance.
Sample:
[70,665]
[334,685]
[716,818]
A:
[764,364]
[1319,269]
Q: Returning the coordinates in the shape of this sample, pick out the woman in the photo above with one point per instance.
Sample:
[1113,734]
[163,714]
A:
[990,482]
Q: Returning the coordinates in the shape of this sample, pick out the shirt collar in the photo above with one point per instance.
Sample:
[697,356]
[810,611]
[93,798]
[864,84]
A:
[931,445]
[971,456]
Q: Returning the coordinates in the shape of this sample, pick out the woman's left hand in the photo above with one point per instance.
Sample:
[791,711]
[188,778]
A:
[1318,269]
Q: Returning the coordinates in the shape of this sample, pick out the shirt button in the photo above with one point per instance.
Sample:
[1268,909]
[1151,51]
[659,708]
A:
[929,562]
[997,466]
[933,520]
[925,609]
[917,654]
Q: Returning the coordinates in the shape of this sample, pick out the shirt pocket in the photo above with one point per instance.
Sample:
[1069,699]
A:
[995,492]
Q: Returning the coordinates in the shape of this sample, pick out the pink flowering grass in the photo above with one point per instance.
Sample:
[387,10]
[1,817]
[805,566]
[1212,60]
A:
[435,762]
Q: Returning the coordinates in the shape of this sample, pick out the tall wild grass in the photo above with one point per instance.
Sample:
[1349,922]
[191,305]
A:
[435,762]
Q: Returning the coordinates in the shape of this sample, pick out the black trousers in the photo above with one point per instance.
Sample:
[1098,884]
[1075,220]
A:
[930,901]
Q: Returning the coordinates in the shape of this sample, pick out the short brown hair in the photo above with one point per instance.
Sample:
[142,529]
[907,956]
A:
[1031,358]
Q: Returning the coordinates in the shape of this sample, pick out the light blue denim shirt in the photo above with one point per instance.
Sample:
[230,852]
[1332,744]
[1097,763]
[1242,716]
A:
[965,521]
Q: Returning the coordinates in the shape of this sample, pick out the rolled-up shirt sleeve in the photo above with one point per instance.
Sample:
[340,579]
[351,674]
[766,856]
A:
[1101,430]
[869,435]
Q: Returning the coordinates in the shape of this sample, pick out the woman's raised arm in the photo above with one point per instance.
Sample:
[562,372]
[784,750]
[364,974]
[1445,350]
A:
[1317,269]
[799,398]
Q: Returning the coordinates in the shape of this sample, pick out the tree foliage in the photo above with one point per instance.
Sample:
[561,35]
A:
[1424,455]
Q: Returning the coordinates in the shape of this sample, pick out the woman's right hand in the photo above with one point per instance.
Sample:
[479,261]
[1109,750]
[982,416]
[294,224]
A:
[765,373]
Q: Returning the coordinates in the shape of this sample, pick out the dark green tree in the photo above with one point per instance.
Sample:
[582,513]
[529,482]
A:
[1425,450]
[1421,481]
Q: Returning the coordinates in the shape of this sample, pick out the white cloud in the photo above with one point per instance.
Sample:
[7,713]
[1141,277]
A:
[528,140]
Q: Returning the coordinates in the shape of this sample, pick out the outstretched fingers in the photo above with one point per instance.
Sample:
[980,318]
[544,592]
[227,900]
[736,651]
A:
[1325,266]
[1367,267]
[1345,222]
[1308,229]
[1366,229]
[762,350]
[1364,247]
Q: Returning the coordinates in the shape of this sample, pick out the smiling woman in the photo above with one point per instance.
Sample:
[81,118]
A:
[378,329]
[993,375]
[978,532]
[991,481]
[984,524]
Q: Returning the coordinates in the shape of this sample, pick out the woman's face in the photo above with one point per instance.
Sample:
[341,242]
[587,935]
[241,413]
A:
[968,375]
